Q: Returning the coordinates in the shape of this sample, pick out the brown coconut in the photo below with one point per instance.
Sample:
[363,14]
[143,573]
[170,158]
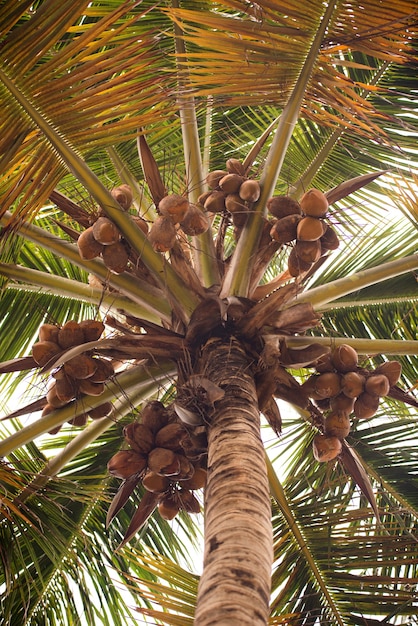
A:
[139,437]
[141,223]
[352,384]
[215,202]
[88,247]
[155,482]
[314,203]
[90,388]
[71,334]
[214,177]
[163,461]
[337,424]
[378,385]
[281,206]
[162,234]
[329,240]
[344,358]
[197,481]
[284,230]
[173,207]
[48,332]
[44,351]
[234,166]
[195,222]
[154,415]
[170,436]
[310,229]
[188,501]
[123,195]
[80,367]
[105,231]
[231,183]
[92,329]
[392,370]
[250,191]
[366,405]
[168,508]
[100,411]
[308,251]
[104,371]
[328,384]
[116,257]
[342,403]
[326,448]
[126,463]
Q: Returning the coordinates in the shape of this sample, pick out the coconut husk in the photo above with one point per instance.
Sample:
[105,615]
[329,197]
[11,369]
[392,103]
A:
[88,247]
[282,206]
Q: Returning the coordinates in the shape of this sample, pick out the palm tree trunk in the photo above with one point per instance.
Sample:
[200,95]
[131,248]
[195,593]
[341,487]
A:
[235,584]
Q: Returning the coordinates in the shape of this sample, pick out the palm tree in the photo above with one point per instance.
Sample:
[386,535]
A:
[162,131]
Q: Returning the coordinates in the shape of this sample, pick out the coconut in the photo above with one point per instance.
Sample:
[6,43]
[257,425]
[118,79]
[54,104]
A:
[344,358]
[126,463]
[48,332]
[342,403]
[198,480]
[163,461]
[162,234]
[92,329]
[234,166]
[174,207]
[378,385]
[195,222]
[170,436]
[90,388]
[314,203]
[123,195]
[231,183]
[100,411]
[88,247]
[44,351]
[71,334]
[105,231]
[155,482]
[235,204]
[392,370]
[168,508]
[352,384]
[53,399]
[116,257]
[310,229]
[324,363]
[154,415]
[284,230]
[328,384]
[337,424]
[366,405]
[329,240]
[295,265]
[188,501]
[80,367]
[308,251]
[139,437]
[66,388]
[214,177]
[250,191]
[79,420]
[281,206]
[326,448]
[104,371]
[141,223]
[215,202]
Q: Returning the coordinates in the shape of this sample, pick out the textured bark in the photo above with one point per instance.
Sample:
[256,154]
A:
[234,589]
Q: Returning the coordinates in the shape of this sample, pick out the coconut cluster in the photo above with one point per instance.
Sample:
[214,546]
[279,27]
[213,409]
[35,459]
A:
[232,192]
[167,458]
[303,223]
[176,212]
[341,388]
[84,374]
[104,239]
